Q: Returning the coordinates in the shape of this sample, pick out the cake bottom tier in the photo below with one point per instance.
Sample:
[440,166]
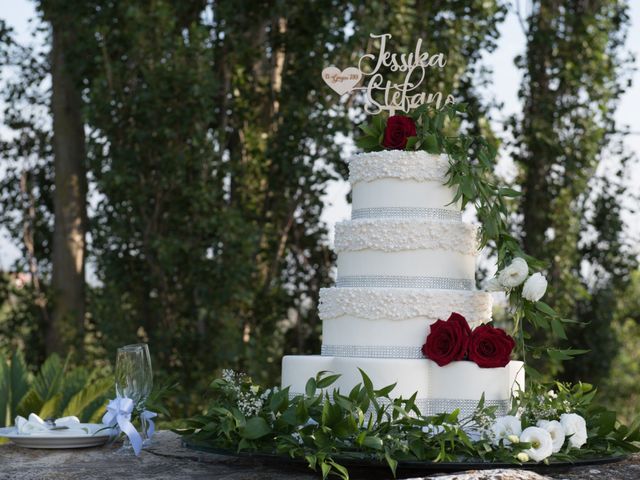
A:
[439,389]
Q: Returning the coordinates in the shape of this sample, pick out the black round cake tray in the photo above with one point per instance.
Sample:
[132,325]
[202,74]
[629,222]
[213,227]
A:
[362,468]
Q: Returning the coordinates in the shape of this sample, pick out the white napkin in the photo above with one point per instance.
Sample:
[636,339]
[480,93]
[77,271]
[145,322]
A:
[35,425]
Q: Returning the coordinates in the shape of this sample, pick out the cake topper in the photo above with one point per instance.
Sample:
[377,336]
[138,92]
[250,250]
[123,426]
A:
[385,95]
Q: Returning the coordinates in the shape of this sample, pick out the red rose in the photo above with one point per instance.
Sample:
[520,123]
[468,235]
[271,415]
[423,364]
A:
[447,341]
[490,347]
[399,128]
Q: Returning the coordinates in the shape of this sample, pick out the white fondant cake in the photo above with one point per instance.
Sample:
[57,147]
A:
[405,260]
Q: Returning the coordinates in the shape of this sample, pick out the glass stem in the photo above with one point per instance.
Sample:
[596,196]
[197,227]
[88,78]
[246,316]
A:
[143,425]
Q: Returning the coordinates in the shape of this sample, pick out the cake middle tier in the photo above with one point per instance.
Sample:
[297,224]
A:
[391,323]
[421,253]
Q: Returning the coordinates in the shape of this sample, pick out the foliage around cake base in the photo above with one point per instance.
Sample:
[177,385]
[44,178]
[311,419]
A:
[368,424]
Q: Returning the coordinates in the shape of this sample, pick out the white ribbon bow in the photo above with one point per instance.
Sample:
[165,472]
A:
[119,412]
[146,415]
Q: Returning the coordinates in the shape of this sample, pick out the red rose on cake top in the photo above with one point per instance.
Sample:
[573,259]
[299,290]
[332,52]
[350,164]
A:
[398,130]
[448,341]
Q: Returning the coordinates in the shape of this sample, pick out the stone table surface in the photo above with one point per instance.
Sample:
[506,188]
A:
[168,459]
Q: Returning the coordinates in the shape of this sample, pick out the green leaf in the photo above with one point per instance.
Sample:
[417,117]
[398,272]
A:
[85,397]
[385,391]
[310,388]
[544,308]
[509,192]
[558,329]
[30,403]
[369,130]
[379,123]
[532,373]
[606,422]
[411,143]
[566,354]
[74,381]
[368,144]
[469,191]
[48,381]
[256,427]
[19,382]
[430,143]
[327,381]
[312,461]
[373,442]
[4,393]
[366,381]
[51,407]
[393,463]
[326,469]
[342,471]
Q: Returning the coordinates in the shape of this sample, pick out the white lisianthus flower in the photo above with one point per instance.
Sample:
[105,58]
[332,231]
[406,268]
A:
[541,443]
[523,457]
[575,427]
[493,285]
[505,426]
[535,287]
[514,274]
[556,431]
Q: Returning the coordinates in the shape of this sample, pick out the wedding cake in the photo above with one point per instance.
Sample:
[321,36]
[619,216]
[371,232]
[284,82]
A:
[405,260]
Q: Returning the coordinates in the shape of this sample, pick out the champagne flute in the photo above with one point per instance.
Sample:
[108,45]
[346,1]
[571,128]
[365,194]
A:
[134,378]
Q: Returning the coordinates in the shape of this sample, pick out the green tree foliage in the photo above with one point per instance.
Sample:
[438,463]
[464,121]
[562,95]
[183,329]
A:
[26,202]
[574,74]
[622,388]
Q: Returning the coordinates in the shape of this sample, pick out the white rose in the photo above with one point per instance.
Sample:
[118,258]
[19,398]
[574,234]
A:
[541,443]
[505,426]
[575,427]
[514,274]
[493,285]
[556,431]
[534,287]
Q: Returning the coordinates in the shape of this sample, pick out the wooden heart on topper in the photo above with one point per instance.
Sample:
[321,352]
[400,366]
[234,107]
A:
[341,81]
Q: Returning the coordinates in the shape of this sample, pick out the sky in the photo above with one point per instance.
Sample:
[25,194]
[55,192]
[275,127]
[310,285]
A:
[504,88]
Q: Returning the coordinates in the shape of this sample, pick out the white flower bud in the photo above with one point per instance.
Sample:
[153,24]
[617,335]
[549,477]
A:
[535,287]
[522,457]
[541,443]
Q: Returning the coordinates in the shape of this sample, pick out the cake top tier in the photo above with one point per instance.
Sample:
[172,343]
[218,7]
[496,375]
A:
[404,165]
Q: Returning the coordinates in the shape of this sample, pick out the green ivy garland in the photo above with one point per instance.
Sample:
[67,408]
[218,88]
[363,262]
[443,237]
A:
[471,173]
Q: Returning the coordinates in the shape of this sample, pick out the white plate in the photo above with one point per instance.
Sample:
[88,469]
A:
[58,439]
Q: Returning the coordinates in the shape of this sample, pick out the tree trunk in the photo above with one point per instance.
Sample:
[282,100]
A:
[67,323]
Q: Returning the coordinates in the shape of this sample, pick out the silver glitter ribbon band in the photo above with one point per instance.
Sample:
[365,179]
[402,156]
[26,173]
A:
[371,351]
[391,281]
[407,212]
[434,406]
